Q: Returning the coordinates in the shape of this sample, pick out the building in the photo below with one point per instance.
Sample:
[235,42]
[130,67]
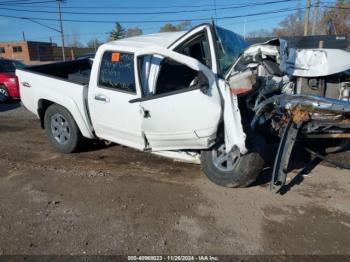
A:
[27,51]
[31,52]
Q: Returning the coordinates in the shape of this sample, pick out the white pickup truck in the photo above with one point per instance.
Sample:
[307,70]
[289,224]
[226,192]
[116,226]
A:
[172,94]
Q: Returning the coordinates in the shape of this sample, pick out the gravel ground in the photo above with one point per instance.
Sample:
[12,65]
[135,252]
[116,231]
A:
[115,200]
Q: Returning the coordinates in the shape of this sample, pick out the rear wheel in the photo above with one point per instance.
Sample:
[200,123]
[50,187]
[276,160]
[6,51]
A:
[62,130]
[4,94]
[233,169]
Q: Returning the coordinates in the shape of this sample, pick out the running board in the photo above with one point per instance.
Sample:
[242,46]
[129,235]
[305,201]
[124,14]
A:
[182,156]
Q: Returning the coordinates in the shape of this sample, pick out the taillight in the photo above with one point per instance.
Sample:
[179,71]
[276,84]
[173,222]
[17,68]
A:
[13,80]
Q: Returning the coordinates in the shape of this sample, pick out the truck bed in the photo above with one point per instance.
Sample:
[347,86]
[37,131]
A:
[76,71]
[54,83]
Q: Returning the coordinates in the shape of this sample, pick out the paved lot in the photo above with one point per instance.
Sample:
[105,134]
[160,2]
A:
[115,200]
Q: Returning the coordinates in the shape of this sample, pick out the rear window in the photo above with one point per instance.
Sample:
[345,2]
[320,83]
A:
[117,71]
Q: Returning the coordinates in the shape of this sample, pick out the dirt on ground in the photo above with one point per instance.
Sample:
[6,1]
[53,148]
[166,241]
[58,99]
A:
[115,200]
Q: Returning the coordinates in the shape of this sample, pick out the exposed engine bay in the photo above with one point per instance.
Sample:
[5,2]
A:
[294,92]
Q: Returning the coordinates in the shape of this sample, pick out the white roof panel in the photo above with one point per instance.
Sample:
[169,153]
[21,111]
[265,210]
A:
[159,39]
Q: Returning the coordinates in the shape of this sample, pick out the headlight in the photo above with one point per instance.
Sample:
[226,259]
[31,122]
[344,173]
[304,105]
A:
[13,80]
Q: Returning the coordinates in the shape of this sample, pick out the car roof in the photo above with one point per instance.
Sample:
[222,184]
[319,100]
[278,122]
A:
[159,39]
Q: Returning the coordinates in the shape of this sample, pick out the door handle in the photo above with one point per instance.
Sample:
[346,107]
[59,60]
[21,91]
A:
[101,98]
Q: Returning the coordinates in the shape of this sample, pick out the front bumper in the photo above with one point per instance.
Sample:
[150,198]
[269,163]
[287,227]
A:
[301,108]
[307,115]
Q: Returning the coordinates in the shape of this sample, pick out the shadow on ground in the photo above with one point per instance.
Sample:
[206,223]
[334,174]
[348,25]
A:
[9,106]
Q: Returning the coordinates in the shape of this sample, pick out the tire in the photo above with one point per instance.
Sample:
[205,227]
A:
[4,94]
[63,132]
[244,169]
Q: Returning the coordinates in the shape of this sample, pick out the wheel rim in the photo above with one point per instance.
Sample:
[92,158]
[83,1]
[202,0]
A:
[4,92]
[223,161]
[60,129]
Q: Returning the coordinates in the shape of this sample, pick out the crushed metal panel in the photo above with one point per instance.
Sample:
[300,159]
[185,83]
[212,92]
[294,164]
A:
[234,133]
[313,62]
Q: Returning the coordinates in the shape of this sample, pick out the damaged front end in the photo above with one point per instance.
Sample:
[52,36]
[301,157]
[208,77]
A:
[305,115]
[294,93]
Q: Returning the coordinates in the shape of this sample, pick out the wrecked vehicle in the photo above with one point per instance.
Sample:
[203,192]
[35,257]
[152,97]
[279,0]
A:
[296,92]
[200,96]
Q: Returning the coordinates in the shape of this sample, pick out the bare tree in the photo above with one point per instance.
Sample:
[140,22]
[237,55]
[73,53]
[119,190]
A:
[94,43]
[184,25]
[292,25]
[168,28]
[336,19]
[73,38]
[260,33]
[133,32]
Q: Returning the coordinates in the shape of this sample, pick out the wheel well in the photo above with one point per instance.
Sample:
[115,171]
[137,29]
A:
[43,105]
[220,133]
[3,85]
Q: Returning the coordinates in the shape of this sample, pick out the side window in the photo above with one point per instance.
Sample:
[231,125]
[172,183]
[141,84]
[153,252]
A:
[117,71]
[174,76]
[198,48]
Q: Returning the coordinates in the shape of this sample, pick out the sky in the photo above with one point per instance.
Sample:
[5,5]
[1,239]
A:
[240,16]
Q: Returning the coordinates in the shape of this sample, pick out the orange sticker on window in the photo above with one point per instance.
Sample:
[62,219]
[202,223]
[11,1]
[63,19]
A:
[115,57]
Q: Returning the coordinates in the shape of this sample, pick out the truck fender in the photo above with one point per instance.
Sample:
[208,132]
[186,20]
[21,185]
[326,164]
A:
[71,106]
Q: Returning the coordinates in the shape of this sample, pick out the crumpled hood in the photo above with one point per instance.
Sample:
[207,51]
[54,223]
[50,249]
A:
[313,62]
[302,62]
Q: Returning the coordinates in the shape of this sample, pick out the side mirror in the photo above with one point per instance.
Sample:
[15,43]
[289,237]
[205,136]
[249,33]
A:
[203,83]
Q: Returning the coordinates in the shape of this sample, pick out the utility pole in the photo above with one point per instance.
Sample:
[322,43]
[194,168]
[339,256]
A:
[216,17]
[306,18]
[244,30]
[61,29]
[24,36]
[315,17]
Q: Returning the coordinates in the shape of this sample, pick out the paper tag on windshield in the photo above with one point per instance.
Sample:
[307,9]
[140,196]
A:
[115,57]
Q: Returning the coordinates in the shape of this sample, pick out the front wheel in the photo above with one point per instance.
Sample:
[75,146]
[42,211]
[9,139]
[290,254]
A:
[233,169]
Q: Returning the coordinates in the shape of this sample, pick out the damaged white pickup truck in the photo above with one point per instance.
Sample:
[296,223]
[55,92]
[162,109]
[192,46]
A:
[199,96]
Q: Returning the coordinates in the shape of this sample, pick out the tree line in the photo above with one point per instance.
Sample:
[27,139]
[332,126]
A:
[333,20]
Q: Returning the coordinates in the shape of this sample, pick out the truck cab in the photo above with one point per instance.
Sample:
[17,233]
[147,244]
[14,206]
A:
[156,95]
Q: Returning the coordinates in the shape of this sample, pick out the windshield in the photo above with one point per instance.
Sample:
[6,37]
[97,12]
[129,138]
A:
[8,66]
[18,65]
[230,47]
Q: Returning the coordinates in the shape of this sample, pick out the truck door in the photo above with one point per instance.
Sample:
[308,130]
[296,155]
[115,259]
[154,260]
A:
[113,117]
[184,110]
